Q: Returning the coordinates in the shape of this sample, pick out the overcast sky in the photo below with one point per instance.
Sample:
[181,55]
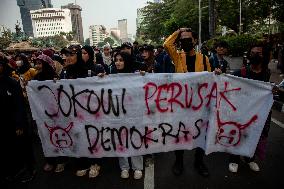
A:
[102,12]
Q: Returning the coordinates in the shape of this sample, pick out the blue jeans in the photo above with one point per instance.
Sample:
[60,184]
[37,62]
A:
[136,163]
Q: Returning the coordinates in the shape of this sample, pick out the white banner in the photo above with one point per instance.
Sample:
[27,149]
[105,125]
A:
[130,114]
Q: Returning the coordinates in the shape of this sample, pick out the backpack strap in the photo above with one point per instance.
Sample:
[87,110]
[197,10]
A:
[204,62]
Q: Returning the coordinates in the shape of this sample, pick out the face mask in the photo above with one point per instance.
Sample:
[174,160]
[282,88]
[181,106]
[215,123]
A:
[32,65]
[19,63]
[255,60]
[186,44]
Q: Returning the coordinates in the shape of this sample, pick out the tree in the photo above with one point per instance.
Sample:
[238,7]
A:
[57,42]
[69,35]
[153,24]
[101,44]
[5,38]
[87,41]
[109,40]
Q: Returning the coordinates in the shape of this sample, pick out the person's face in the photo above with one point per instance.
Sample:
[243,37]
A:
[126,50]
[107,51]
[188,35]
[71,58]
[145,54]
[119,62]
[221,50]
[256,51]
[135,45]
[85,55]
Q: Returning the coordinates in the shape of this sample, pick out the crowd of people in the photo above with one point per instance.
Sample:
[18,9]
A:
[177,55]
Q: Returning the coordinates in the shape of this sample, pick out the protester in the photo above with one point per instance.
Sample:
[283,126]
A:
[187,60]
[100,61]
[217,59]
[164,63]
[107,55]
[18,160]
[24,69]
[147,54]
[256,70]
[74,65]
[124,64]
[58,64]
[90,68]
[84,165]
[137,65]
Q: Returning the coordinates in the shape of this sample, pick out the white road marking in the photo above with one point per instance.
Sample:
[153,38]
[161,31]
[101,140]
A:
[149,174]
[280,124]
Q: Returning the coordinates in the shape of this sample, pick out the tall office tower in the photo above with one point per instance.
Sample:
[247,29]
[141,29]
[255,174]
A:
[77,25]
[25,7]
[122,26]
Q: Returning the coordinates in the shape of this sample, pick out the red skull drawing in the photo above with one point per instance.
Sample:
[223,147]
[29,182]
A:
[59,137]
[229,133]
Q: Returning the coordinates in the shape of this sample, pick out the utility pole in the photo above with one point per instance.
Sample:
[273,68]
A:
[212,18]
[240,29]
[199,21]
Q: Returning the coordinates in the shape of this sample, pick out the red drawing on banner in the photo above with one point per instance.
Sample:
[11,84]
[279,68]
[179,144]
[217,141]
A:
[60,137]
[229,132]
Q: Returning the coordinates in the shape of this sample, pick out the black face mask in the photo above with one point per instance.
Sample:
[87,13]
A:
[186,44]
[255,60]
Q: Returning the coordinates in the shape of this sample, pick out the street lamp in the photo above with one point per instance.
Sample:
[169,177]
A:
[199,23]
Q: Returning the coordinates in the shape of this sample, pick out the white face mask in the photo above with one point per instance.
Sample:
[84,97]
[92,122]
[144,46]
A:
[19,63]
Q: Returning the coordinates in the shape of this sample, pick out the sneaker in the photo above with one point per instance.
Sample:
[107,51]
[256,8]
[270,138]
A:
[94,171]
[80,173]
[124,174]
[138,174]
[27,176]
[47,167]
[233,167]
[59,168]
[253,166]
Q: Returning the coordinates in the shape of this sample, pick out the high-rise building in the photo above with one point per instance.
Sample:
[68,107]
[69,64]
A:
[77,26]
[122,26]
[97,34]
[115,36]
[25,7]
[51,21]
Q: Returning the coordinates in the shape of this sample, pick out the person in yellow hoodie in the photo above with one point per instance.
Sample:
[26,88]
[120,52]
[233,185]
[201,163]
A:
[180,47]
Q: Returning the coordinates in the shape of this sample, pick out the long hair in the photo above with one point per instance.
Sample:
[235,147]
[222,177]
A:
[26,65]
[91,54]
[150,62]
[128,62]
[47,73]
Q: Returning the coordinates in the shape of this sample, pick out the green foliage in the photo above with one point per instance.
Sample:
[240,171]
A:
[101,44]
[5,38]
[237,44]
[162,19]
[87,41]
[109,40]
[57,41]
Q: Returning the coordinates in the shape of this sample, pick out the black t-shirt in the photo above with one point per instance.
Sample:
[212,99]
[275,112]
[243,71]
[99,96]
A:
[190,63]
[261,76]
